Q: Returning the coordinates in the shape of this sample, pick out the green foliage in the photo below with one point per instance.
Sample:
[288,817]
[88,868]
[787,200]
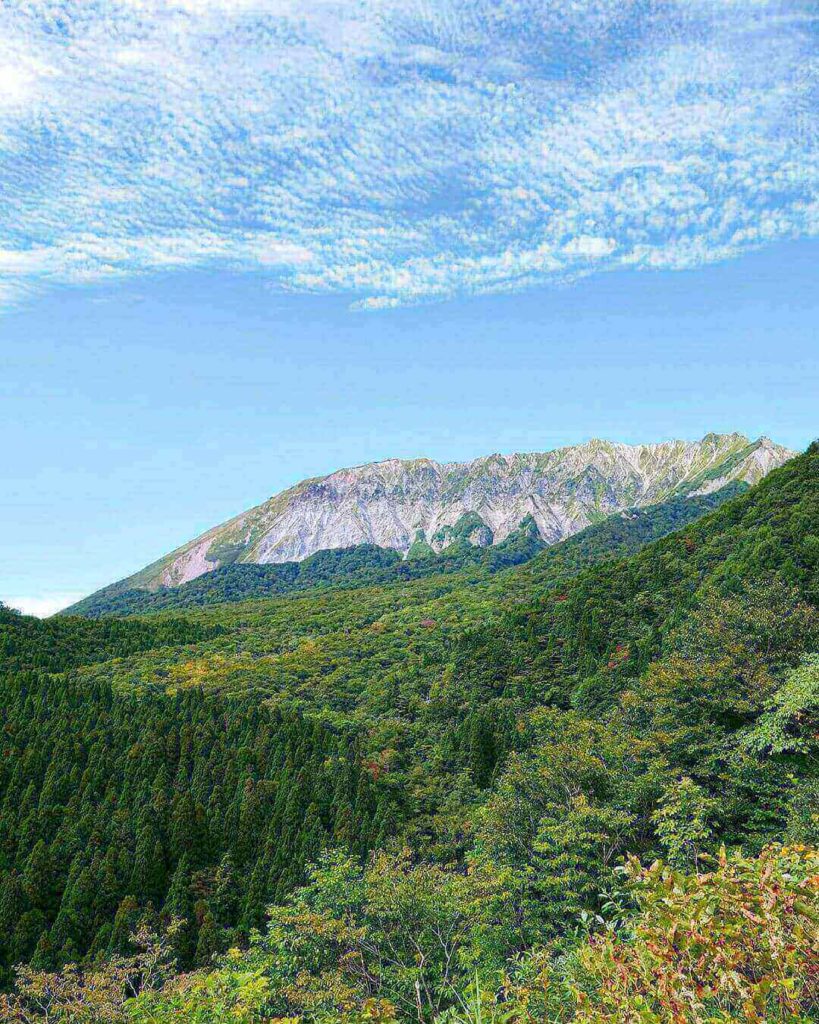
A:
[736,943]
[101,994]
[790,724]
[235,992]
[389,937]
[563,812]
[732,943]
[469,530]
[522,732]
[408,934]
[683,822]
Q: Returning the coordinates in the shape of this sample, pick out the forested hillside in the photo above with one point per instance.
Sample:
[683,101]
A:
[58,644]
[505,740]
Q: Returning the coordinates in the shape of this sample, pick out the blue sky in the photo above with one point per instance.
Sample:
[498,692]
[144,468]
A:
[136,415]
[245,242]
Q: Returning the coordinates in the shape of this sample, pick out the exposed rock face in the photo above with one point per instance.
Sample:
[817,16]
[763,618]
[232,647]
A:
[400,502]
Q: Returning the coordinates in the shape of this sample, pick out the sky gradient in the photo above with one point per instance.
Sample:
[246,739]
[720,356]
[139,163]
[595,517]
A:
[243,242]
[136,416]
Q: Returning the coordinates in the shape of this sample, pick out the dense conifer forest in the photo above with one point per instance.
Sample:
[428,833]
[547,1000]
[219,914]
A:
[583,785]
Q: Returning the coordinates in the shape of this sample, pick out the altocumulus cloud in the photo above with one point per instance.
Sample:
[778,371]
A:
[401,150]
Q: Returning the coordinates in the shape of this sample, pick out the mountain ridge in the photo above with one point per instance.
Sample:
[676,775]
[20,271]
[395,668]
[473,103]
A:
[367,565]
[421,505]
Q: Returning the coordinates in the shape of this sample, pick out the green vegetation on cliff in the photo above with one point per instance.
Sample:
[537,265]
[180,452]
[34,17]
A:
[367,565]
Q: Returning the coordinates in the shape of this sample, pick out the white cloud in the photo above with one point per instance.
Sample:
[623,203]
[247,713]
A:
[15,83]
[400,150]
[44,605]
[589,247]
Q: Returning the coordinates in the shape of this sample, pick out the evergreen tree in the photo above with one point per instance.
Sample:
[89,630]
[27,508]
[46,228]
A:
[210,941]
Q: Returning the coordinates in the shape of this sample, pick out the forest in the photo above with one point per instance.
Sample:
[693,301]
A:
[571,784]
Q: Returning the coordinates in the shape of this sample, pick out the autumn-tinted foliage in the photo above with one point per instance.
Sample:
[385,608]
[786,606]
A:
[737,939]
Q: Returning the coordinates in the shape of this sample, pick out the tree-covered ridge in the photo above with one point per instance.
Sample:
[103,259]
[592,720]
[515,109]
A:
[61,643]
[520,734]
[363,566]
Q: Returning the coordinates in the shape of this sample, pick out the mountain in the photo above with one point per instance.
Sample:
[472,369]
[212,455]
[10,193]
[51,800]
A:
[367,565]
[537,724]
[420,507]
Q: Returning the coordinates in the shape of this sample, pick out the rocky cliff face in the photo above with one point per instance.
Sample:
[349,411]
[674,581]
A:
[404,503]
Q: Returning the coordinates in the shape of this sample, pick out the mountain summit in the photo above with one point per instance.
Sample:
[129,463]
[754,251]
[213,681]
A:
[418,505]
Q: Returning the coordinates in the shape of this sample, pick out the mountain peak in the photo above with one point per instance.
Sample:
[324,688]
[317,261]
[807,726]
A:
[395,503]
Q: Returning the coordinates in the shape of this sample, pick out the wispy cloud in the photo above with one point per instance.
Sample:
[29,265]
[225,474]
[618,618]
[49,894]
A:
[401,150]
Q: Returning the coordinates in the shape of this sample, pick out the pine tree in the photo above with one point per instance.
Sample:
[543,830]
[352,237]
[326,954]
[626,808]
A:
[125,924]
[40,879]
[227,894]
[210,940]
[148,877]
[44,958]
[179,904]
[258,897]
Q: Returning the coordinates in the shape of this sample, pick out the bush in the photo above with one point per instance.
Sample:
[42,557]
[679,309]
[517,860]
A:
[736,943]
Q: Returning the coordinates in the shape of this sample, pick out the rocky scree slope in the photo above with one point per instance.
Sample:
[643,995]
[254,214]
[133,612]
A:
[420,506]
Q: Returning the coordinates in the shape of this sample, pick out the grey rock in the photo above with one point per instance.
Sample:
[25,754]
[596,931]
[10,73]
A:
[395,502]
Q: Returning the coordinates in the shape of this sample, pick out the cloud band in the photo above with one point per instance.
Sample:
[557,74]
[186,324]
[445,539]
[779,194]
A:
[401,150]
